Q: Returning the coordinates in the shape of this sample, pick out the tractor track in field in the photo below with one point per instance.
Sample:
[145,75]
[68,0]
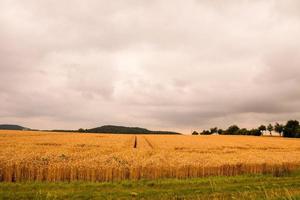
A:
[135,142]
[148,142]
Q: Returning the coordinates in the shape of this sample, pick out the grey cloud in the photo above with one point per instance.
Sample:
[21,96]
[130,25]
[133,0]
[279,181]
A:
[160,64]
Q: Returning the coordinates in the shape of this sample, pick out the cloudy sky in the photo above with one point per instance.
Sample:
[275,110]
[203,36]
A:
[169,64]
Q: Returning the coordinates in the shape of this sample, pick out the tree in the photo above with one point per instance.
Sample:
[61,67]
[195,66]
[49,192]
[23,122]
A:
[262,128]
[214,130]
[291,129]
[220,131]
[81,130]
[255,132]
[232,130]
[243,131]
[195,133]
[279,128]
[205,132]
[270,128]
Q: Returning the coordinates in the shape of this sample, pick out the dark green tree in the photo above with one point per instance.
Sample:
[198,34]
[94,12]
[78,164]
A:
[81,130]
[262,128]
[270,128]
[279,128]
[232,130]
[214,130]
[243,131]
[291,129]
[195,133]
[205,132]
[255,132]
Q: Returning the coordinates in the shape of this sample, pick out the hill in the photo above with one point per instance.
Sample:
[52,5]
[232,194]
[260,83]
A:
[12,127]
[124,130]
[102,129]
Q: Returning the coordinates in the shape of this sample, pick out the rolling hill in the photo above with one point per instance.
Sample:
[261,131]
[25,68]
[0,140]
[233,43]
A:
[101,129]
[125,130]
[12,127]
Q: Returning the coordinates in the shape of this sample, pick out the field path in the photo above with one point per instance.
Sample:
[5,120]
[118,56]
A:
[148,142]
[135,142]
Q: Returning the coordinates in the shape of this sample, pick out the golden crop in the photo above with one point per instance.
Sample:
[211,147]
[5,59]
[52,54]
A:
[48,156]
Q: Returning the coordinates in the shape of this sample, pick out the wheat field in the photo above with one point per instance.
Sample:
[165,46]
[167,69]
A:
[48,156]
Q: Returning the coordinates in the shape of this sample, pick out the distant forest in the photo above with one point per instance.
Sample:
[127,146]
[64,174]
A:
[290,129]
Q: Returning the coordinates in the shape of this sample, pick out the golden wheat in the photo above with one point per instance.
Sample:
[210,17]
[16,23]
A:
[47,156]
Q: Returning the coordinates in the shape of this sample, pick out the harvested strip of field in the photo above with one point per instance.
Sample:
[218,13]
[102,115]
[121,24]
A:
[105,157]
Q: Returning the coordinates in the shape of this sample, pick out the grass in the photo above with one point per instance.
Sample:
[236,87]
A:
[236,187]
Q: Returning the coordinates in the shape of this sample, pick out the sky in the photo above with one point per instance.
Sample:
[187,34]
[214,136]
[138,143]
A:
[164,65]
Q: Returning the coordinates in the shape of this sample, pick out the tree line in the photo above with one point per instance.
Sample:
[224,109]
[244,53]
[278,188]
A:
[290,129]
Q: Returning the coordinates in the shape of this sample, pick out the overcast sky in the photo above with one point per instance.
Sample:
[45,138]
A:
[169,64]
